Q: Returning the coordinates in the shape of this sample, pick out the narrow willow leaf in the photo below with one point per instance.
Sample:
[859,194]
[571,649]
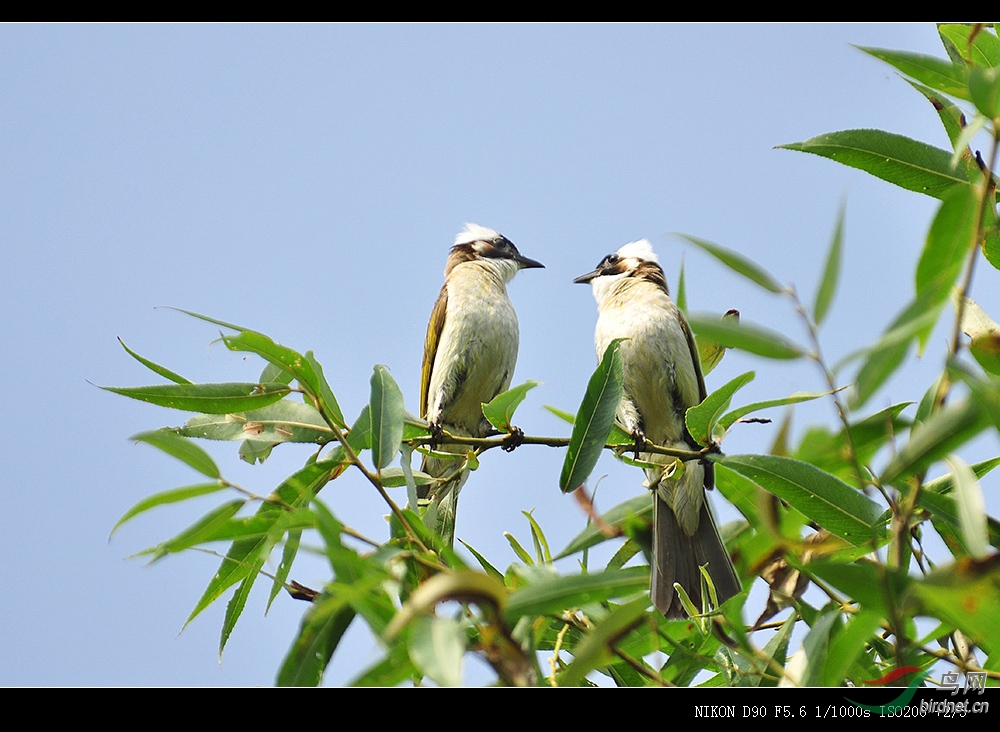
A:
[207,398]
[739,264]
[681,296]
[727,420]
[984,88]
[288,554]
[819,496]
[985,391]
[951,116]
[437,647]
[848,644]
[387,414]
[964,594]
[519,550]
[594,419]
[484,562]
[234,608]
[501,409]
[538,537]
[328,402]
[641,506]
[701,419]
[181,448]
[155,367]
[322,628]
[555,594]
[971,508]
[985,47]
[274,374]
[949,242]
[710,352]
[296,490]
[166,497]
[207,528]
[249,341]
[283,421]
[943,433]
[206,318]
[831,272]
[745,336]
[916,322]
[906,163]
[952,79]
[599,644]
[816,646]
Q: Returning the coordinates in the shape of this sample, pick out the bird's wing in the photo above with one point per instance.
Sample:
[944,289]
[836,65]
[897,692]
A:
[434,329]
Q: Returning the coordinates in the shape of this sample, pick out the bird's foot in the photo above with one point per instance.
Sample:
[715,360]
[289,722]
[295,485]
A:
[513,439]
[640,442]
[437,435]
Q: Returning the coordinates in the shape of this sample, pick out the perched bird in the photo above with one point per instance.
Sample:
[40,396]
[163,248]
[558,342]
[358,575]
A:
[469,355]
[662,378]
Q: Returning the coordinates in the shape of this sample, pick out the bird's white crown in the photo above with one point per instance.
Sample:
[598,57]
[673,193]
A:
[641,249]
[475,232]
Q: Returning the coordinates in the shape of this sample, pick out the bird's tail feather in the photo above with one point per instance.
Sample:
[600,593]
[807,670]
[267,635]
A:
[677,557]
[442,496]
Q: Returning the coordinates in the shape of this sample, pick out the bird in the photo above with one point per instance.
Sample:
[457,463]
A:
[662,378]
[469,356]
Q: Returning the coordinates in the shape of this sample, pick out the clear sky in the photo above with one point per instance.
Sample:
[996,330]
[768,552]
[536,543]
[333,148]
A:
[306,181]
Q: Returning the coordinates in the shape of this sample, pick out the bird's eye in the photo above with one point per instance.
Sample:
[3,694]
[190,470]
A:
[501,243]
[611,259]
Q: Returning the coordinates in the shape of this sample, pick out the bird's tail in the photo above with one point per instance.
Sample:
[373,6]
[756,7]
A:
[678,555]
[441,496]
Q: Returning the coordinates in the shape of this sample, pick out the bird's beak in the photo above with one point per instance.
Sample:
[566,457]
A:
[525,263]
[585,278]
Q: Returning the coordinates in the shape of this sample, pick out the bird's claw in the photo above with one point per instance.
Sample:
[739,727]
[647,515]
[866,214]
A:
[513,440]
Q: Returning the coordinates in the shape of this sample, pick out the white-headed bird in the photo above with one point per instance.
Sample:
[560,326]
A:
[469,354]
[662,379]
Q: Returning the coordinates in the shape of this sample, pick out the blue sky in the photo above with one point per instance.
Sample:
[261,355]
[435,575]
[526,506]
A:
[306,181]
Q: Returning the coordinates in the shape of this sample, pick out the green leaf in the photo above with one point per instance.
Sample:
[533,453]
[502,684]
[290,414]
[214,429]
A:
[739,264]
[295,490]
[618,436]
[971,509]
[205,529]
[283,421]
[985,47]
[328,402]
[710,352]
[166,497]
[950,240]
[207,319]
[181,448]
[701,419]
[965,595]
[321,631]
[207,398]
[594,419]
[728,419]
[831,272]
[984,88]
[154,367]
[288,554]
[930,441]
[555,594]
[934,72]
[906,163]
[821,497]
[437,648]
[985,335]
[641,506]
[598,646]
[746,336]
[501,409]
[848,644]
[538,538]
[234,608]
[387,416]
